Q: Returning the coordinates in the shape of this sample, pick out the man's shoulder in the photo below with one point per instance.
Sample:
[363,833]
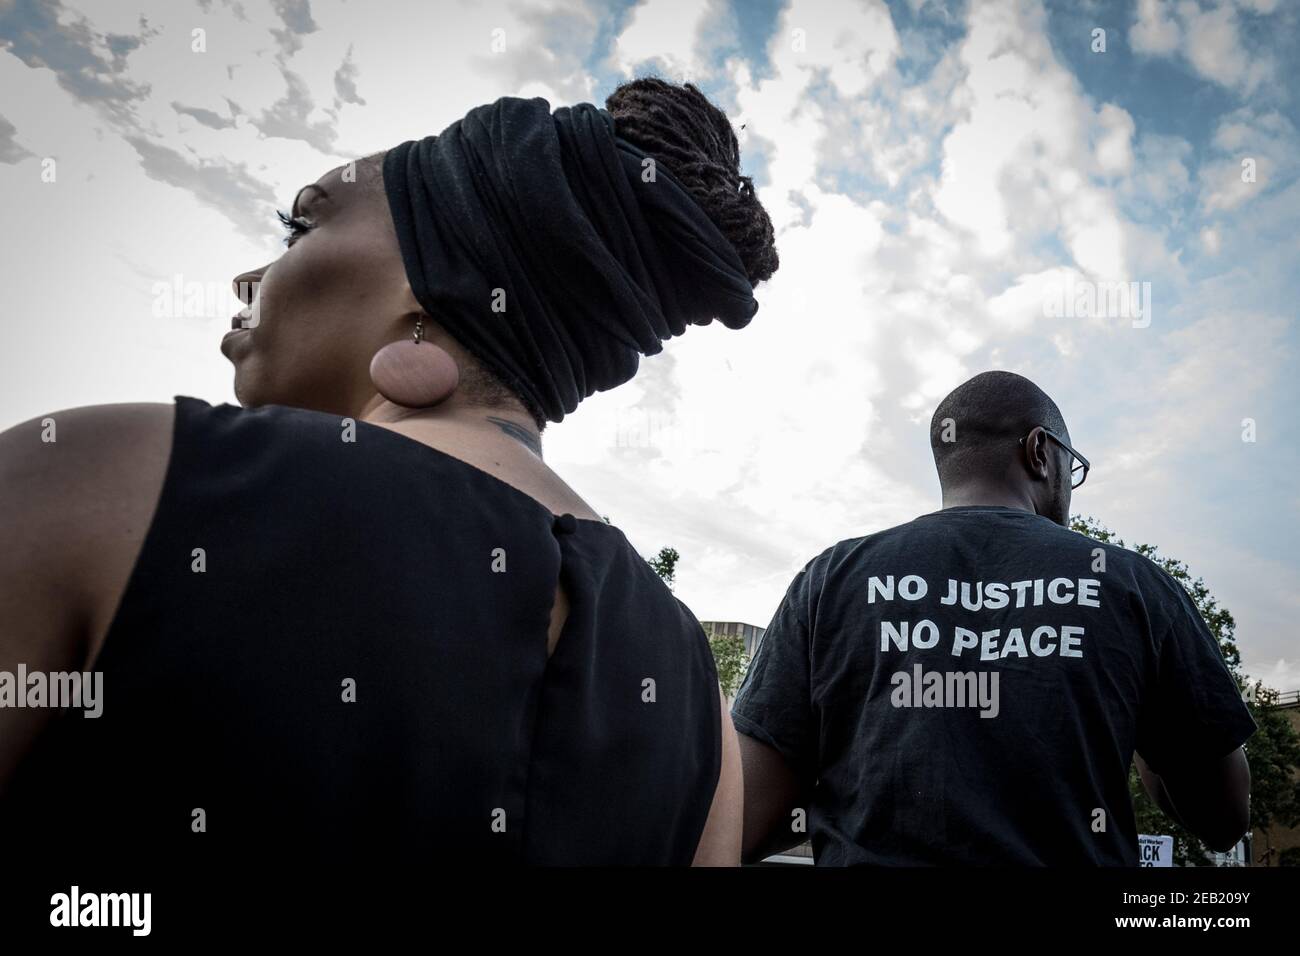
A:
[1113,557]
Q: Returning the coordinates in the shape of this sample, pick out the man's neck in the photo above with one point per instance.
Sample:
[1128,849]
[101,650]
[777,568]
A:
[987,496]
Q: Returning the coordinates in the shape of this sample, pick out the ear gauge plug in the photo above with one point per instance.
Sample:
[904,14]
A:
[415,374]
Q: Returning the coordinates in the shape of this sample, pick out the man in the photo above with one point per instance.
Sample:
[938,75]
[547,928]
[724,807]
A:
[970,688]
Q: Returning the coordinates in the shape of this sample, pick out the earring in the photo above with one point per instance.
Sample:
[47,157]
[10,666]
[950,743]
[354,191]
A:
[414,374]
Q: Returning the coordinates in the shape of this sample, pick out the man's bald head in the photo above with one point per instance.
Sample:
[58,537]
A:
[975,432]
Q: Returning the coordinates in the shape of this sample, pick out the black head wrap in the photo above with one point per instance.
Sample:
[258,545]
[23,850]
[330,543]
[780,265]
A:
[598,260]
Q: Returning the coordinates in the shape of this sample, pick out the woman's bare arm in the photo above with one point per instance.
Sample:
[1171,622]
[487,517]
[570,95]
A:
[720,842]
[73,514]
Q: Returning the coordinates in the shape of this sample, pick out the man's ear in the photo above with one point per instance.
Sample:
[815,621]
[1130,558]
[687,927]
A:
[1035,452]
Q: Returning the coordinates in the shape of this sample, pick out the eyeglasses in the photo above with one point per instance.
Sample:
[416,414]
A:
[1079,470]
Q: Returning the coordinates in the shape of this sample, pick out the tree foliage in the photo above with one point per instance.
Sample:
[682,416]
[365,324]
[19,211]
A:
[664,564]
[729,656]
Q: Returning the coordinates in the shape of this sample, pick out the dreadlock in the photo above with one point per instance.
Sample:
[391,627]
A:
[678,127]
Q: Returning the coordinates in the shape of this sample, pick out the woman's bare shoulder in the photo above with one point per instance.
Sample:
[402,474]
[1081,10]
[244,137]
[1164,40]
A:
[80,487]
[88,451]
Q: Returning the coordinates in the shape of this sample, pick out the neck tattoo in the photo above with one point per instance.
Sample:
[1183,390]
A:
[519,433]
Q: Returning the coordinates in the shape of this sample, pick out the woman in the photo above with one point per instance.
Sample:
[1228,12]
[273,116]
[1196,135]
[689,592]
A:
[359,619]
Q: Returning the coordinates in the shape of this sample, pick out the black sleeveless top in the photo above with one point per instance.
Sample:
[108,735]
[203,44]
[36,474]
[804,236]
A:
[358,672]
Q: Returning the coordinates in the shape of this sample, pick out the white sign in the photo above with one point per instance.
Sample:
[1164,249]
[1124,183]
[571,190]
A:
[1155,850]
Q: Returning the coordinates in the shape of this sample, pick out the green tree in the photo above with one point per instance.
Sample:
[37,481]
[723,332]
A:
[664,564]
[731,660]
[1274,754]
[1274,750]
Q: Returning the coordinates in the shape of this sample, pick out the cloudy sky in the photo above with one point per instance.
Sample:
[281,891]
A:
[939,175]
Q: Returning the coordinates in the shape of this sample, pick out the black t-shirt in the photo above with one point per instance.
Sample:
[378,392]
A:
[969,688]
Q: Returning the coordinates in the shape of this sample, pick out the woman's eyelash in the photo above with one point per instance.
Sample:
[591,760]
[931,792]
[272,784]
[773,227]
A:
[295,226]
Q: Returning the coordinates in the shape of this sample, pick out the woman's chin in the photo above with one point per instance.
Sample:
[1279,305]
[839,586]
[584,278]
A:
[247,392]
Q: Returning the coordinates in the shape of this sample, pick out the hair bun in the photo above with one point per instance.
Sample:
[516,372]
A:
[693,139]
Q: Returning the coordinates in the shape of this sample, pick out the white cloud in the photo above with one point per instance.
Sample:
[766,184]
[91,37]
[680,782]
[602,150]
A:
[1252,153]
[1115,142]
[1019,161]
[1155,31]
[1280,675]
[1211,241]
[1160,175]
[1208,38]
[1024,305]
[1217,369]
[666,32]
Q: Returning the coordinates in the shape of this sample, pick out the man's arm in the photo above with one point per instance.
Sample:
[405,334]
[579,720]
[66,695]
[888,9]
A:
[73,513]
[1211,799]
[1193,722]
[772,793]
